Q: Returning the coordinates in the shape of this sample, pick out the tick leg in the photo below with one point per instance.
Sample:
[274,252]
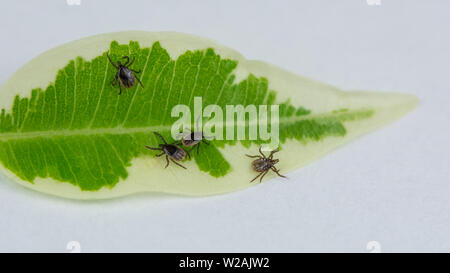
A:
[204,141]
[160,154]
[178,163]
[154,149]
[256,177]
[277,172]
[253,156]
[167,159]
[114,81]
[176,142]
[188,154]
[264,173]
[129,64]
[139,81]
[110,60]
[128,60]
[120,89]
[261,152]
[198,148]
[160,136]
[271,153]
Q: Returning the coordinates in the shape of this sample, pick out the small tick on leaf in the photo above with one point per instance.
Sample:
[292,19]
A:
[171,151]
[193,139]
[125,76]
[263,164]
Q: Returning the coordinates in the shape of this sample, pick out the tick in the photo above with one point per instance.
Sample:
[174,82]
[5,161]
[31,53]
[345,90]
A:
[172,151]
[193,139]
[125,76]
[263,164]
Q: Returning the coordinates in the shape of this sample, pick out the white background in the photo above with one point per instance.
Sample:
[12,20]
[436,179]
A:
[391,186]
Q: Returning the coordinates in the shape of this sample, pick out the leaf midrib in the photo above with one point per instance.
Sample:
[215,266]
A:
[120,130]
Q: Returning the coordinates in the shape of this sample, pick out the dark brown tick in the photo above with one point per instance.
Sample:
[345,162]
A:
[263,164]
[171,151]
[125,76]
[193,139]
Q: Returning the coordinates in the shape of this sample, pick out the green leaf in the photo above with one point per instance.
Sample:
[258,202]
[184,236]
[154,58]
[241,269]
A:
[64,129]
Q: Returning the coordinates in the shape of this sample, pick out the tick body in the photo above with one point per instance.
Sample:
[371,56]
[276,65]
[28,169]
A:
[172,151]
[125,76]
[263,164]
[193,139]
